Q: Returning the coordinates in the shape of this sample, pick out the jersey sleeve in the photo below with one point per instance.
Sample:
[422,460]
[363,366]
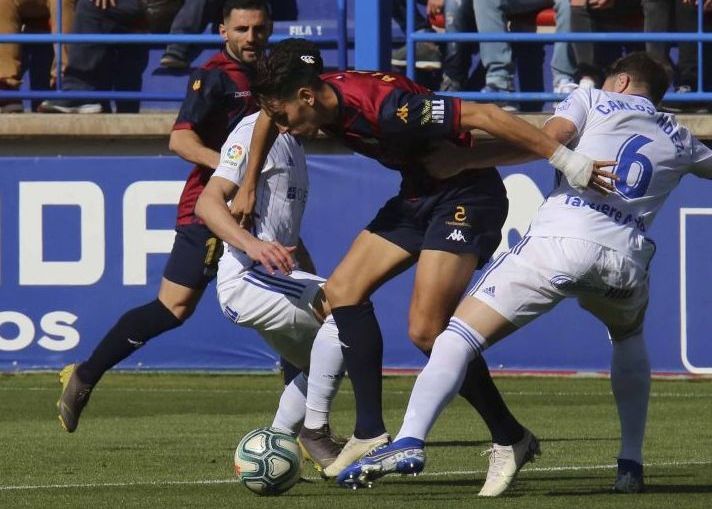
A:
[204,95]
[420,116]
[575,108]
[701,159]
[234,155]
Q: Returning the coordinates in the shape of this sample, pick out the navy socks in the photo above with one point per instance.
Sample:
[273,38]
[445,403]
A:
[131,332]
[481,392]
[362,346]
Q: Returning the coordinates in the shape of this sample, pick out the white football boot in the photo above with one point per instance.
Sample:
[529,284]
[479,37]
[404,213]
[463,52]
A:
[505,461]
[354,450]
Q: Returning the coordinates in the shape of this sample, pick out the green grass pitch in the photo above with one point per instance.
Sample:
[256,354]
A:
[167,440]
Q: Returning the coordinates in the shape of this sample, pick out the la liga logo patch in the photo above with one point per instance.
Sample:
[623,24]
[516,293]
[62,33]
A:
[235,152]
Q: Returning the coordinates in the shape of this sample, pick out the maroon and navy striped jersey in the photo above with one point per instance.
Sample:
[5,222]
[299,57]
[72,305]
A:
[392,119]
[218,97]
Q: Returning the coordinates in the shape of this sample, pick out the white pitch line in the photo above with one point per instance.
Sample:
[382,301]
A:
[426,474]
[118,484]
[277,391]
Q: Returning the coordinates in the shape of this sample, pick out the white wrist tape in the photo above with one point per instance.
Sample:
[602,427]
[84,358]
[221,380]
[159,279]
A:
[577,168]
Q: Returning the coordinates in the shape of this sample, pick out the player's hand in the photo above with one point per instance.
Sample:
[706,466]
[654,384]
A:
[104,4]
[603,181]
[243,205]
[582,172]
[272,255]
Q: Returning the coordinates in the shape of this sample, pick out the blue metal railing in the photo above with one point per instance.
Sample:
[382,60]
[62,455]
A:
[699,37]
[60,38]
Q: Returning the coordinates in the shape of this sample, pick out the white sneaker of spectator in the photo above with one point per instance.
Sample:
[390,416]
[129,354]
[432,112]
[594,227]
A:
[564,86]
[68,106]
[586,82]
[427,56]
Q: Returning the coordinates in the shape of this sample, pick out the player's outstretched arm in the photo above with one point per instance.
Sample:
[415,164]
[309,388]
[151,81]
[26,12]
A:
[212,209]
[263,137]
[446,159]
[577,168]
[188,145]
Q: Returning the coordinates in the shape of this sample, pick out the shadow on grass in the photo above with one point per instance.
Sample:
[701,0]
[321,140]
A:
[579,439]
[666,489]
[458,443]
[485,443]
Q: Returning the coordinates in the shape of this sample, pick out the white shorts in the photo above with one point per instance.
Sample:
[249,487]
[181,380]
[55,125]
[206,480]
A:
[279,307]
[539,272]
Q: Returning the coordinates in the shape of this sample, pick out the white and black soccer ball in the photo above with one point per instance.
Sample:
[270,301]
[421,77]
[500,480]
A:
[268,461]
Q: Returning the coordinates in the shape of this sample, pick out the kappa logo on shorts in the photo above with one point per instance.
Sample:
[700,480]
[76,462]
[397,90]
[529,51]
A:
[456,235]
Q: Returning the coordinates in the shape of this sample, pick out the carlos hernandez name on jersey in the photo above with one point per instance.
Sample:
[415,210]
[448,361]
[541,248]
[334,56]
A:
[653,152]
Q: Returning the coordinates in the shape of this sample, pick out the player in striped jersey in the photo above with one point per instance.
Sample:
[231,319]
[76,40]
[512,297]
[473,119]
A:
[282,300]
[580,245]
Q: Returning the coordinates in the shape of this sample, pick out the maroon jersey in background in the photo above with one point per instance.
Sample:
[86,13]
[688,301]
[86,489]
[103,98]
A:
[392,119]
[218,97]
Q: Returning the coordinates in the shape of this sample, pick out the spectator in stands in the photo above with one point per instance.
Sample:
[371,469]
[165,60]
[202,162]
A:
[14,14]
[677,16]
[192,18]
[104,66]
[602,16]
[459,17]
[492,16]
[427,54]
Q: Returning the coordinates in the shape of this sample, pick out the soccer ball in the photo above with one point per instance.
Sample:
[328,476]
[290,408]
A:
[268,461]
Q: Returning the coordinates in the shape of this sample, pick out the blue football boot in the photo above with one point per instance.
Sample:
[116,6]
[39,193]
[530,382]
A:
[404,456]
[629,478]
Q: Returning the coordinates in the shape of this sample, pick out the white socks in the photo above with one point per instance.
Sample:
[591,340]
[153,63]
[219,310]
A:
[325,374]
[290,413]
[630,382]
[441,378]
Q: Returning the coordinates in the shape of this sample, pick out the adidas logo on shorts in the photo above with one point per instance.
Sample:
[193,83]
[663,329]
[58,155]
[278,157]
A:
[489,291]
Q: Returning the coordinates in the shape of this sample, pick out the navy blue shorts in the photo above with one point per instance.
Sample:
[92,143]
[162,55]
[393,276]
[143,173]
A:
[464,214]
[194,257]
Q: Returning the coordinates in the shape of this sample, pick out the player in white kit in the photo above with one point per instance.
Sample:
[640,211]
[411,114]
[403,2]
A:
[260,286]
[587,246]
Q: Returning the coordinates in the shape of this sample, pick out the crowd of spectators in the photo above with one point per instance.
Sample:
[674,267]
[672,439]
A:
[572,64]
[487,66]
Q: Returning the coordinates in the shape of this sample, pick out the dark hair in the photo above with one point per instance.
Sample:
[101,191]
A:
[292,64]
[249,5]
[646,71]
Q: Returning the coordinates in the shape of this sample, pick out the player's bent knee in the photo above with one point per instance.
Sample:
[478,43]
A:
[339,294]
[422,336]
[181,310]
[622,333]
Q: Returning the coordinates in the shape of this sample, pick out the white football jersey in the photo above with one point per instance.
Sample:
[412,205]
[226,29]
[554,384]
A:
[281,193]
[653,152]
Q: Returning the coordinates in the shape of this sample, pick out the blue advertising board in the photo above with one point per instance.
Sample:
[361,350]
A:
[84,239]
